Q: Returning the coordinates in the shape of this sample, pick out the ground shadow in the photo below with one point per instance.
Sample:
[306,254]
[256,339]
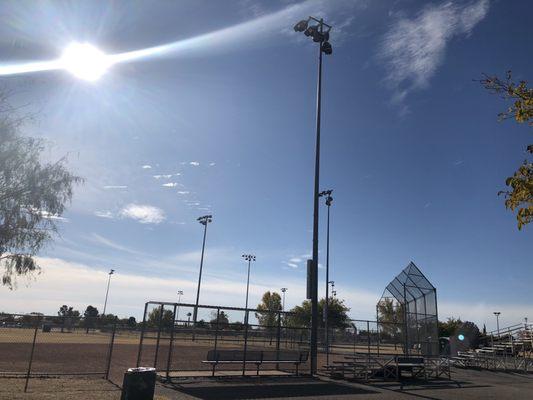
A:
[267,389]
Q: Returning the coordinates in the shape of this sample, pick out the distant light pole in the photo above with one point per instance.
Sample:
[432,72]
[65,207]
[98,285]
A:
[320,35]
[329,200]
[497,313]
[188,318]
[249,258]
[180,293]
[283,290]
[111,272]
[204,220]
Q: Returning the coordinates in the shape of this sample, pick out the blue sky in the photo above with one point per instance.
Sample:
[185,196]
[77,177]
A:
[224,124]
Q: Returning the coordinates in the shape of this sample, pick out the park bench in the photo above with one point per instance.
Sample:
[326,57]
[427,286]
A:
[216,357]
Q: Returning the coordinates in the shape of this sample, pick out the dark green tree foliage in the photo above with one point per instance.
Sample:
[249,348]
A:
[337,314]
[454,327]
[66,311]
[33,195]
[519,195]
[269,307]
[132,322]
[222,320]
[167,320]
[90,315]
[391,316]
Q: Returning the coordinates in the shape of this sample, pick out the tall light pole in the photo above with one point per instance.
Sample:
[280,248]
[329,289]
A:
[497,313]
[204,220]
[329,201]
[283,290]
[180,293]
[111,272]
[249,258]
[320,34]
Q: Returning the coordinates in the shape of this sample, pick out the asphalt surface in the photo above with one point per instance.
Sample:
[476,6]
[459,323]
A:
[466,384]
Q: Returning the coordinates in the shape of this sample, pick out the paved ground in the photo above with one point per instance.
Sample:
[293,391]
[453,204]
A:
[467,384]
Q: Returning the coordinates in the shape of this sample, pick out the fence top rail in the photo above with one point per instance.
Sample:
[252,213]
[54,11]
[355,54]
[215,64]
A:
[370,321]
[223,308]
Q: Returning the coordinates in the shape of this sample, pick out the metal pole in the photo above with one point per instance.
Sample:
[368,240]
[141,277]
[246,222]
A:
[195,316]
[110,352]
[31,354]
[107,291]
[142,336]
[161,310]
[314,295]
[248,284]
[171,342]
[177,316]
[245,342]
[327,289]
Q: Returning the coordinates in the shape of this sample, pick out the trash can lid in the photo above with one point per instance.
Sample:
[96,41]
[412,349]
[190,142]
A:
[141,369]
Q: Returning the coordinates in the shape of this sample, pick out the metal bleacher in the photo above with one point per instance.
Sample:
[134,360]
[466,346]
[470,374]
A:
[509,349]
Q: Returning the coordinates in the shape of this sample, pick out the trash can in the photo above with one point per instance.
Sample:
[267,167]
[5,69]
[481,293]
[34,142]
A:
[138,384]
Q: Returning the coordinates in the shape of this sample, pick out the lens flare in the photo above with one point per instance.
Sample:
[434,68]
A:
[85,61]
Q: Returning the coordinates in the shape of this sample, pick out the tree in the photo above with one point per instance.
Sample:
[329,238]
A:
[450,327]
[519,195]
[67,314]
[66,311]
[337,314]
[391,318]
[132,322]
[167,320]
[90,314]
[270,306]
[33,196]
[222,320]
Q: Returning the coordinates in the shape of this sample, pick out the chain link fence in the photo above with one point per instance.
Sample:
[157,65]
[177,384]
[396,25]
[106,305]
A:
[40,346]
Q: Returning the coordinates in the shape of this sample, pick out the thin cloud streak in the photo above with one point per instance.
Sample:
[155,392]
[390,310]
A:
[414,48]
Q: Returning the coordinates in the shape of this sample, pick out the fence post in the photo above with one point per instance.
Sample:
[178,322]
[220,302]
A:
[31,354]
[379,336]
[169,359]
[245,343]
[142,336]
[278,339]
[110,351]
[161,310]
[368,336]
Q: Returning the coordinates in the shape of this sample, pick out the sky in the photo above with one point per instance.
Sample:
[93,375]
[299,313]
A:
[212,111]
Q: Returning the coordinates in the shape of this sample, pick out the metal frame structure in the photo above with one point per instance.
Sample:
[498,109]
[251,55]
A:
[414,300]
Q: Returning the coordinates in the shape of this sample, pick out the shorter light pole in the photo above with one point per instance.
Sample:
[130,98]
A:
[497,313]
[180,293]
[111,272]
[188,318]
[249,258]
[283,290]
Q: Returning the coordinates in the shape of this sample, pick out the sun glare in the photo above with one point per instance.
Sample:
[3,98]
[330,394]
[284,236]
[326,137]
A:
[85,61]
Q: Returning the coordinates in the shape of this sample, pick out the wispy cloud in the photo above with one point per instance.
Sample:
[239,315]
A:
[164,176]
[144,214]
[170,184]
[183,192]
[96,238]
[212,164]
[115,187]
[414,48]
[146,166]
[194,163]
[104,214]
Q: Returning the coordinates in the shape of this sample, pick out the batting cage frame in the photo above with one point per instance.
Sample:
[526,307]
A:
[411,300]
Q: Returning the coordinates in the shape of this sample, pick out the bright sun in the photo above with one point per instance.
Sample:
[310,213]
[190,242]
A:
[85,61]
